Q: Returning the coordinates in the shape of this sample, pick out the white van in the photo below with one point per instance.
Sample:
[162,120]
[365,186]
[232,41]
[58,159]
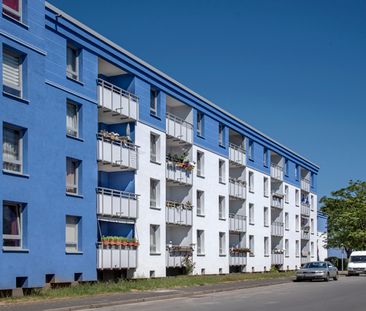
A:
[357,263]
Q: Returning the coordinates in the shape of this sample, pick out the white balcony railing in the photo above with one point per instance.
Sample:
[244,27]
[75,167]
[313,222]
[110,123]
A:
[305,209]
[175,255]
[237,223]
[116,257]
[178,213]
[277,259]
[114,155]
[115,203]
[276,171]
[277,200]
[304,260]
[178,174]
[305,234]
[237,259]
[179,128]
[237,154]
[115,104]
[305,184]
[237,188]
[277,228]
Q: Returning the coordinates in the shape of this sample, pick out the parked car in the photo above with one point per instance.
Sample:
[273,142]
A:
[357,263]
[317,270]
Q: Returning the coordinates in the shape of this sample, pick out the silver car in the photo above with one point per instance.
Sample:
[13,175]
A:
[323,270]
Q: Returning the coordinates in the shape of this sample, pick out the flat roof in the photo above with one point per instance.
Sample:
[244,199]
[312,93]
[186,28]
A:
[170,79]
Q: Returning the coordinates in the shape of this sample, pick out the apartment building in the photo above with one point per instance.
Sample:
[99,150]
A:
[110,168]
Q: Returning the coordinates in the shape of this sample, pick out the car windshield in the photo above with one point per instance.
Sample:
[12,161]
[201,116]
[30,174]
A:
[315,265]
[358,259]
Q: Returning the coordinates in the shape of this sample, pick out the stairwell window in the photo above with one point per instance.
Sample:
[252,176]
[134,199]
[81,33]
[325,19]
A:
[251,182]
[266,216]
[200,164]
[222,171]
[12,149]
[13,8]
[154,102]
[221,135]
[266,246]
[154,193]
[72,62]
[72,234]
[72,176]
[251,245]
[297,245]
[200,242]
[297,197]
[222,243]
[72,119]
[12,225]
[265,187]
[251,150]
[286,194]
[265,157]
[297,223]
[200,123]
[154,148]
[287,248]
[154,239]
[221,207]
[312,252]
[251,213]
[200,203]
[287,225]
[12,72]
[312,226]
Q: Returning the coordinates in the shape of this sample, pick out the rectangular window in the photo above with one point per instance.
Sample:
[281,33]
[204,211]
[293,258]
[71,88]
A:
[297,197]
[251,213]
[12,72]
[222,171]
[312,249]
[200,242]
[72,119]
[154,239]
[221,134]
[251,244]
[13,8]
[266,246]
[154,102]
[265,157]
[72,234]
[286,167]
[200,164]
[221,207]
[287,248]
[72,175]
[265,187]
[199,123]
[286,194]
[12,149]
[72,62]
[266,216]
[222,243]
[312,226]
[312,202]
[297,223]
[297,248]
[287,225]
[154,148]
[200,203]
[296,172]
[251,150]
[154,193]
[251,182]
[12,225]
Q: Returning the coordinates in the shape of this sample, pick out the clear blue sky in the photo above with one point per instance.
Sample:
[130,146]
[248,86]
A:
[295,70]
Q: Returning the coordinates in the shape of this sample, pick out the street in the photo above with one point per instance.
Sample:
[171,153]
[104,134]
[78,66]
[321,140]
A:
[346,294]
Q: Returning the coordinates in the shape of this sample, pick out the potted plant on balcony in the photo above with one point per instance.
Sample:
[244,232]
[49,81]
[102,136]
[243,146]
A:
[105,241]
[124,242]
[188,205]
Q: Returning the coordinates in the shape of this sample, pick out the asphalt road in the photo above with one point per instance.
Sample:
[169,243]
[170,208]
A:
[346,294]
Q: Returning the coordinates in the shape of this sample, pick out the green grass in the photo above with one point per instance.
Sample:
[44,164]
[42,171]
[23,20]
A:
[89,289]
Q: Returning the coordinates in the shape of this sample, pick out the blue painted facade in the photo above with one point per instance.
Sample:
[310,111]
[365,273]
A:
[42,38]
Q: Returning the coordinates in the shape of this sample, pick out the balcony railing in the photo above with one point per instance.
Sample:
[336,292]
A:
[237,154]
[277,259]
[237,259]
[115,104]
[178,213]
[176,254]
[116,155]
[237,223]
[115,203]
[179,128]
[237,188]
[305,184]
[178,174]
[304,260]
[277,228]
[305,234]
[276,171]
[305,209]
[277,200]
[116,257]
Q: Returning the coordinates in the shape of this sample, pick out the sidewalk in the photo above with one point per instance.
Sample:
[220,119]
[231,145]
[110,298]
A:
[98,301]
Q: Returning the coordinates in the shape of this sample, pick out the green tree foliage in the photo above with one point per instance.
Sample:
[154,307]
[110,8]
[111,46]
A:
[345,210]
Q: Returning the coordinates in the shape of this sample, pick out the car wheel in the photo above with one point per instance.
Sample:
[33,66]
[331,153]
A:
[336,277]
[326,279]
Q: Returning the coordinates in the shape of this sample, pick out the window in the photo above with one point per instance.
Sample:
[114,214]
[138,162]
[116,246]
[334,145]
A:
[266,216]
[13,8]
[297,197]
[72,175]
[251,182]
[12,72]
[154,193]
[72,234]
[265,157]
[251,244]
[312,202]
[221,207]
[297,248]
[222,171]
[154,239]
[200,242]
[286,167]
[312,249]
[265,187]
[287,225]
[296,172]
[199,123]
[221,134]
[200,164]
[154,148]
[154,102]
[222,243]
[251,213]
[72,62]
[72,119]
[12,149]
[287,248]
[12,225]
[312,226]
[251,150]
[266,246]
[286,194]
[297,223]
[200,203]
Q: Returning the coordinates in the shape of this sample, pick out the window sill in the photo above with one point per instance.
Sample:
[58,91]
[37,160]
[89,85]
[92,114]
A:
[20,99]
[12,19]
[155,208]
[155,254]
[252,224]
[75,80]
[14,250]
[75,138]
[155,116]
[222,219]
[266,255]
[155,162]
[201,176]
[200,136]
[287,229]
[201,255]
[16,174]
[251,160]
[222,182]
[287,256]
[251,191]
[222,146]
[222,255]
[75,195]
[266,196]
[74,253]
[267,226]
[251,255]
[200,215]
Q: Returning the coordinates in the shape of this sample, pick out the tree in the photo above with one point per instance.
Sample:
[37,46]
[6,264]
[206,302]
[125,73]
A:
[346,216]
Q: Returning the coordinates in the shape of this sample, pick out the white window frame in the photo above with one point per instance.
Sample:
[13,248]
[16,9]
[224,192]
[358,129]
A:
[19,161]
[297,223]
[15,237]
[251,213]
[297,197]
[72,246]
[154,144]
[75,165]
[312,202]
[287,221]
[14,12]
[312,226]
[222,172]
[17,88]
[74,75]
[154,102]
[287,248]
[154,239]
[71,130]
[222,210]
[200,203]
[222,243]
[312,249]
[221,134]
[265,157]
[266,216]
[154,191]
[200,242]
[251,149]
[199,123]
[251,182]
[200,164]
[265,187]
[266,246]
[251,244]
[297,244]
[286,194]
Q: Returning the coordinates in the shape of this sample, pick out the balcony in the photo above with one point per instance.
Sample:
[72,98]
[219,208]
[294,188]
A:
[176,255]
[305,209]
[115,153]
[276,171]
[116,257]
[305,184]
[237,189]
[277,200]
[237,259]
[115,203]
[237,223]
[305,234]
[304,260]
[178,174]
[237,155]
[277,229]
[178,213]
[115,104]
[179,129]
[277,259]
